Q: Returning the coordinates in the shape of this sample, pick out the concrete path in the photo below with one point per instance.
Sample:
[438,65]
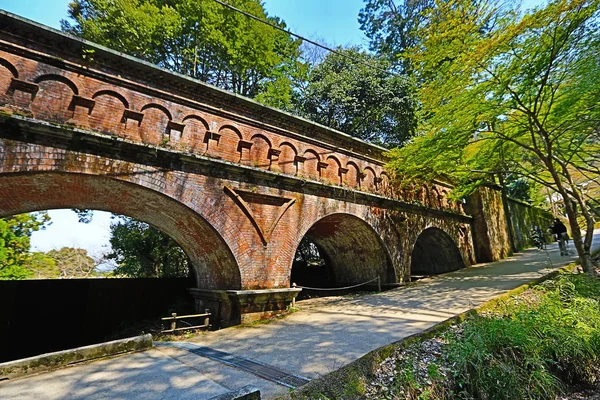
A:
[323,336]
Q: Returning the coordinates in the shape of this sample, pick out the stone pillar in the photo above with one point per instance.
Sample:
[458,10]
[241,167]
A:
[490,230]
[234,307]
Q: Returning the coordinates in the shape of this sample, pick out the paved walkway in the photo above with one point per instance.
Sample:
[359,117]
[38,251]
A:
[322,337]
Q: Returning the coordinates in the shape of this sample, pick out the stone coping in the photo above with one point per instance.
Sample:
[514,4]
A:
[248,392]
[249,291]
[50,361]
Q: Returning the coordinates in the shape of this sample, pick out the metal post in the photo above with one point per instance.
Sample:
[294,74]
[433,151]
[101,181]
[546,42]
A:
[207,318]
[174,322]
[378,283]
[294,298]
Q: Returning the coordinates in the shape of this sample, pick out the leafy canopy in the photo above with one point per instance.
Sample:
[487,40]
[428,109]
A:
[199,38]
[505,94]
[390,26]
[363,101]
[141,251]
[15,244]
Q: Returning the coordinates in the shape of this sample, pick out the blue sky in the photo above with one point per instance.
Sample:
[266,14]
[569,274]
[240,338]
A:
[334,21]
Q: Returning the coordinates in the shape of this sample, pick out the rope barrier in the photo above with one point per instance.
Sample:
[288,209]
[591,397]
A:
[340,288]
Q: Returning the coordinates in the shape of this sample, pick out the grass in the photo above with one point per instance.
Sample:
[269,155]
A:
[532,346]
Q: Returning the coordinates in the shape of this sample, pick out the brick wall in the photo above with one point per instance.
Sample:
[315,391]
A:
[238,234]
[236,184]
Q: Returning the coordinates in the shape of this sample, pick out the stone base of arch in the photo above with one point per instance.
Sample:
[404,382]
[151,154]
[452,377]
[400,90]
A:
[234,307]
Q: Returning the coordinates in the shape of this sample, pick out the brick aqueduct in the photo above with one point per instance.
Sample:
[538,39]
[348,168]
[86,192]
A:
[236,184]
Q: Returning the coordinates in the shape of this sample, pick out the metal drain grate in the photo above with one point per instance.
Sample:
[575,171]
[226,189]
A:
[254,367]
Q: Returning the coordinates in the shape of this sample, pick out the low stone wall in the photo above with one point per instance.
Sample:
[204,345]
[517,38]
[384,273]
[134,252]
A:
[50,361]
[233,307]
[247,392]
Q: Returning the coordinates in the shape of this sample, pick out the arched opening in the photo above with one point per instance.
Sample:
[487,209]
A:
[310,268]
[214,265]
[104,309]
[343,250]
[434,253]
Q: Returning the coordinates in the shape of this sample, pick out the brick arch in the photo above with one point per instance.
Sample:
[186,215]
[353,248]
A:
[214,264]
[196,135]
[227,146]
[53,99]
[5,80]
[154,125]
[310,165]
[11,68]
[57,78]
[352,178]
[260,151]
[333,171]
[435,252]
[370,179]
[106,116]
[159,107]
[114,94]
[352,247]
[287,158]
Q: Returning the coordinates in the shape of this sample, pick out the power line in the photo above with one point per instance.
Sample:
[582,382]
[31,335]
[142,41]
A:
[355,60]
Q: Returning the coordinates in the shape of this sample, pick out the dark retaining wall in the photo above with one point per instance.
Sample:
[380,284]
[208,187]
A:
[524,217]
[41,316]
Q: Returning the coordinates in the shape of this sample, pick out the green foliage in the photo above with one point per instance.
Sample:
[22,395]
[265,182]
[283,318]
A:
[15,243]
[199,38]
[391,27]
[508,94]
[42,266]
[362,101]
[142,251]
[72,263]
[533,346]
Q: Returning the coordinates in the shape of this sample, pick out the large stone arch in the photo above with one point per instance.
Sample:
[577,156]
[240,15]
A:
[352,247]
[214,264]
[435,252]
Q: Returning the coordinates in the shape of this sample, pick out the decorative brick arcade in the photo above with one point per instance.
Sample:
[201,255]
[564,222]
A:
[235,183]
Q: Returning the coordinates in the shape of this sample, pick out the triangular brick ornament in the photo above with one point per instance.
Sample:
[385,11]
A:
[264,211]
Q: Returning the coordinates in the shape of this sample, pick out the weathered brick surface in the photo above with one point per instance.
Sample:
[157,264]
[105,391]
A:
[77,99]
[234,183]
[221,237]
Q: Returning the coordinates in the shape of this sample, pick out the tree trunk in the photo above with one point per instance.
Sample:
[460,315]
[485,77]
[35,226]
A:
[582,246]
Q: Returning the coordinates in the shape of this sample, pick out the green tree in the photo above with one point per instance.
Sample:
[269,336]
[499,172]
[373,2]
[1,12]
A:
[199,38]
[141,251]
[391,27]
[362,101]
[15,243]
[72,263]
[505,94]
[41,266]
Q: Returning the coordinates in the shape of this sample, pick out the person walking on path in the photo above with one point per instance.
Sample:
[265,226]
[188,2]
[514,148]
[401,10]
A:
[560,230]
